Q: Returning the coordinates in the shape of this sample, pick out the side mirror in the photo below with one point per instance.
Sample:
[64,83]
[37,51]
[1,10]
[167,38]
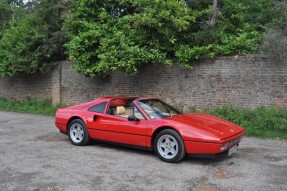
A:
[132,118]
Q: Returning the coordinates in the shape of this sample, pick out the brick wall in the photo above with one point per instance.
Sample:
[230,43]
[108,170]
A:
[37,86]
[244,81]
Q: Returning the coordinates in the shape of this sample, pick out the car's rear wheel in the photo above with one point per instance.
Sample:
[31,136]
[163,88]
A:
[169,146]
[78,133]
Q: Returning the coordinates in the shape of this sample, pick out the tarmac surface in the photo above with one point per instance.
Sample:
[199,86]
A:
[35,156]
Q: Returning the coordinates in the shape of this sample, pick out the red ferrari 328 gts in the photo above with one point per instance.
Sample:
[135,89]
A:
[149,123]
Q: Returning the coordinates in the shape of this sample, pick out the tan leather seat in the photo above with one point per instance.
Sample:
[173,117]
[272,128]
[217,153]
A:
[121,110]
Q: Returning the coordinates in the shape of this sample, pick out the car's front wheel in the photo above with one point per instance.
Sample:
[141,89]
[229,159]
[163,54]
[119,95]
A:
[169,146]
[78,133]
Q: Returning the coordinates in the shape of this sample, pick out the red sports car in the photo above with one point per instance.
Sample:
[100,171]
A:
[149,123]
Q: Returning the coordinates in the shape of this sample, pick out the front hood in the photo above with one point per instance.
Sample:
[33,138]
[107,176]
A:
[210,124]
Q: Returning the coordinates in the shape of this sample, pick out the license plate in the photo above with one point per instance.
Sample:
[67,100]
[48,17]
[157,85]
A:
[232,150]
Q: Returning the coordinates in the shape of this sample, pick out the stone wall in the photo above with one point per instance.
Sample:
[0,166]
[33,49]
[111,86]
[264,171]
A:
[244,81]
[36,86]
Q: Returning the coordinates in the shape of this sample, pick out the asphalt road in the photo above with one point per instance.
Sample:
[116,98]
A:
[35,156]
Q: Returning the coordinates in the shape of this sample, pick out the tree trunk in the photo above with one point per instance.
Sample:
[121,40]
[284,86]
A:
[214,13]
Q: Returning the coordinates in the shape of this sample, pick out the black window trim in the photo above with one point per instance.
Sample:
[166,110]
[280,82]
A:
[105,102]
[139,111]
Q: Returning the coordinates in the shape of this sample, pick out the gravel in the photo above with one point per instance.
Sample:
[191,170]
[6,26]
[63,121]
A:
[35,156]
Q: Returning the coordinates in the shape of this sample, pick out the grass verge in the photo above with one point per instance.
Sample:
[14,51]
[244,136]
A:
[266,122]
[43,107]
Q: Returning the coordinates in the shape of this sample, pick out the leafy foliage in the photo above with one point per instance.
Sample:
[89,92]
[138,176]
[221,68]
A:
[9,9]
[275,39]
[43,107]
[5,15]
[123,34]
[34,42]
[261,121]
[114,34]
[107,35]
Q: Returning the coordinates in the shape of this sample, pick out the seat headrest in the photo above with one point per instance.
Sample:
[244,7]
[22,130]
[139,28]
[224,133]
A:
[121,110]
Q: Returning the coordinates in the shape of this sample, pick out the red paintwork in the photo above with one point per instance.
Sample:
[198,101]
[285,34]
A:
[201,133]
[118,102]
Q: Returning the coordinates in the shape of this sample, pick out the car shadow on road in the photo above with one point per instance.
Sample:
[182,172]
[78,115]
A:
[122,147]
[147,152]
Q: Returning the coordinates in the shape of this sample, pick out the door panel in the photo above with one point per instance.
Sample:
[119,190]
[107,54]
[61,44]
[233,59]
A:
[119,137]
[119,129]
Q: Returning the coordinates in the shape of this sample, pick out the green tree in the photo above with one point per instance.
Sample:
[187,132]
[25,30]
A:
[123,34]
[108,35]
[5,15]
[275,39]
[9,9]
[34,42]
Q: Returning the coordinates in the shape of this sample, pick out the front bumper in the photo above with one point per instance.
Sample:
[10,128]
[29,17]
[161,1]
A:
[212,150]
[212,156]
[202,148]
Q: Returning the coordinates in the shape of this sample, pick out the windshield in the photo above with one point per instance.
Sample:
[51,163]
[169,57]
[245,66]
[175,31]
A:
[157,109]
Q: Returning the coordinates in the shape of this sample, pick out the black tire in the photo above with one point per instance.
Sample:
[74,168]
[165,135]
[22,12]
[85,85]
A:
[176,144]
[78,133]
